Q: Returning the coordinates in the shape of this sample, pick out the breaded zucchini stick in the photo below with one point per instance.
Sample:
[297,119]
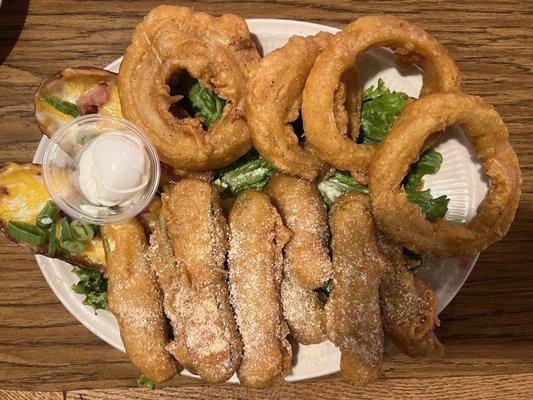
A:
[306,264]
[136,301]
[174,283]
[408,306]
[255,269]
[352,312]
[198,235]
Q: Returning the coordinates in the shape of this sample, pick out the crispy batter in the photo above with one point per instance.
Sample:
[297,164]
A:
[352,312]
[306,263]
[135,299]
[440,75]
[216,51]
[304,214]
[274,99]
[403,221]
[174,284]
[255,268]
[198,234]
[408,306]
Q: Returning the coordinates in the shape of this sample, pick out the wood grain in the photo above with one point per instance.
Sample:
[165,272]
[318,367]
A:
[488,327]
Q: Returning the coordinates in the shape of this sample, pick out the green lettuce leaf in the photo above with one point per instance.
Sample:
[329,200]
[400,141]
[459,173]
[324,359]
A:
[197,101]
[333,188]
[253,174]
[379,109]
[428,164]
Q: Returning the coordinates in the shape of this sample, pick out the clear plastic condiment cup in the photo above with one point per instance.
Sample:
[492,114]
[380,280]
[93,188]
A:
[61,175]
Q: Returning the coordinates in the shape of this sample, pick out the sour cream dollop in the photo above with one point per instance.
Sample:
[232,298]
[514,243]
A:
[112,170]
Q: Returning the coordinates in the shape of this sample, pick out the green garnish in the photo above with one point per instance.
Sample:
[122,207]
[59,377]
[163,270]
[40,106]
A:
[197,101]
[64,229]
[324,291]
[67,242]
[63,106]
[93,285]
[143,381]
[428,163]
[25,232]
[81,230]
[433,208]
[48,215]
[379,109]
[331,189]
[53,243]
[253,175]
[72,246]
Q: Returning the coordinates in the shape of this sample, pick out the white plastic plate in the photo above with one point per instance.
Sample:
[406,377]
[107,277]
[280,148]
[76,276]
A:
[460,178]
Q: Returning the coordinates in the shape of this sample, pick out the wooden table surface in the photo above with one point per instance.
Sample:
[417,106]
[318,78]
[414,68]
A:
[488,327]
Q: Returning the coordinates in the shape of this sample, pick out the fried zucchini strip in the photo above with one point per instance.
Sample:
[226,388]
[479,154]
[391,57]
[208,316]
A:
[198,235]
[352,312]
[136,301]
[255,270]
[173,281]
[306,264]
[408,306]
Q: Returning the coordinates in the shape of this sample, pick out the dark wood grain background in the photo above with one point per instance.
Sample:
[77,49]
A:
[488,327]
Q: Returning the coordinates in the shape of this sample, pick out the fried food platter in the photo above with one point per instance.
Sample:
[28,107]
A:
[460,178]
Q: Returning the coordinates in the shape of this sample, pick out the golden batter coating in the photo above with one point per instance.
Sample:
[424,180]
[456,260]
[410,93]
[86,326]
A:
[306,263]
[408,306]
[173,281]
[136,301]
[198,234]
[218,51]
[255,269]
[352,312]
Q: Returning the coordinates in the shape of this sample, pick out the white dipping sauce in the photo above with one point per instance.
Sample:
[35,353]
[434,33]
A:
[112,169]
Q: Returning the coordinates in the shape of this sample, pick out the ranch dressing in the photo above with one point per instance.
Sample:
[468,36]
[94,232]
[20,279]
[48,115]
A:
[112,169]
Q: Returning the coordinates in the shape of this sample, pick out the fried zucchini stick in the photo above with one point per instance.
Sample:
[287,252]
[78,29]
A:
[408,306]
[255,269]
[352,312]
[198,235]
[174,283]
[136,301]
[306,264]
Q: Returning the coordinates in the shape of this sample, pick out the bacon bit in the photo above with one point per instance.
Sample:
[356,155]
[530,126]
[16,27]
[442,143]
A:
[94,98]
[4,191]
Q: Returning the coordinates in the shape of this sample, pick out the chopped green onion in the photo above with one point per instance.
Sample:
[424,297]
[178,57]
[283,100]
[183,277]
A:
[48,215]
[93,285]
[53,244]
[25,232]
[63,106]
[72,246]
[81,230]
[144,381]
[65,233]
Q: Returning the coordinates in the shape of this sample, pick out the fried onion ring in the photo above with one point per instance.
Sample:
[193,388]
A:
[441,75]
[217,52]
[404,222]
[274,99]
